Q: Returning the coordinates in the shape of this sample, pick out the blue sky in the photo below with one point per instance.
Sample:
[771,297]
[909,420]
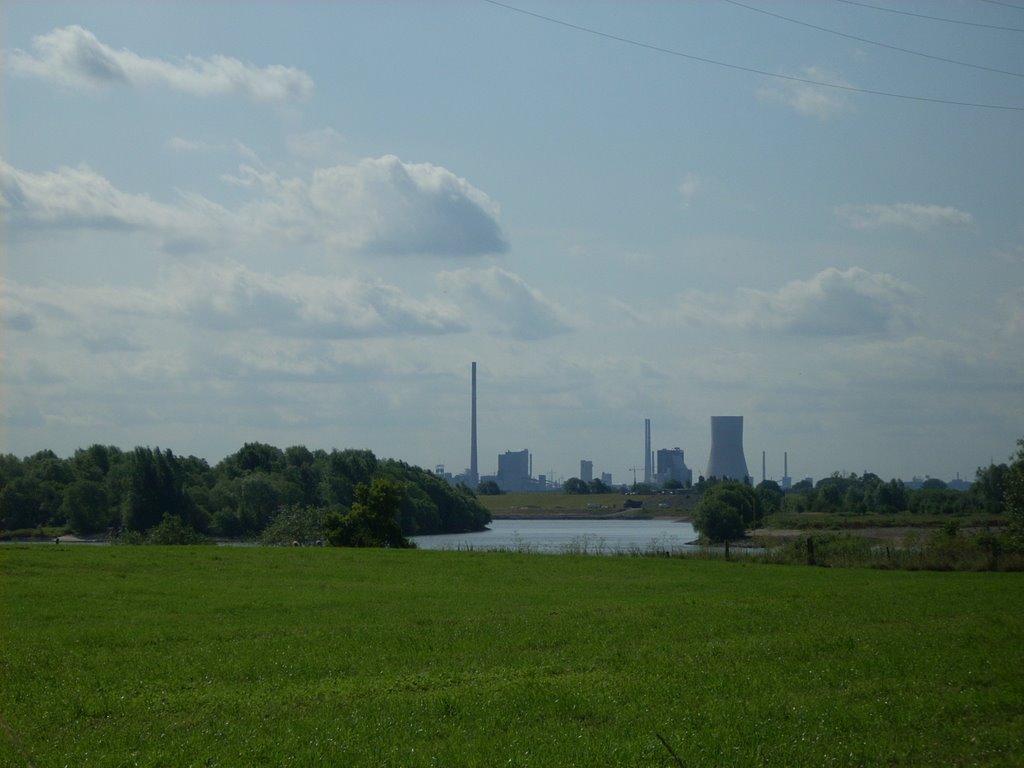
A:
[299,223]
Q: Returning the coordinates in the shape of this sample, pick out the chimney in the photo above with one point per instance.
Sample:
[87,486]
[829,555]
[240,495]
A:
[474,477]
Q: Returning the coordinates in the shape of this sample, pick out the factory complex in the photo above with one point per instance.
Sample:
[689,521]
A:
[664,467]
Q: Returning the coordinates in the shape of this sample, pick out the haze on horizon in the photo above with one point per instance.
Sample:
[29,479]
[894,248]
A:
[298,223]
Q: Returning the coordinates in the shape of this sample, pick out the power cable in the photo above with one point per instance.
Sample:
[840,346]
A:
[874,42]
[752,70]
[930,18]
[1004,5]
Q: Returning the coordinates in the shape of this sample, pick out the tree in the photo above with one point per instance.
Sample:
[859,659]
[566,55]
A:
[1015,492]
[21,504]
[488,488]
[989,487]
[739,496]
[575,486]
[304,525]
[717,521]
[769,497]
[373,519]
[86,506]
[155,489]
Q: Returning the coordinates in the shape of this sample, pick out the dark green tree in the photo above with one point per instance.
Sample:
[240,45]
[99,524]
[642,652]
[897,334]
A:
[373,519]
[717,521]
[21,504]
[488,488]
[739,496]
[989,488]
[87,507]
[1015,492]
[575,486]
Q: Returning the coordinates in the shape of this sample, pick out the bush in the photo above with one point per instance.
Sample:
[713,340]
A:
[172,530]
[717,521]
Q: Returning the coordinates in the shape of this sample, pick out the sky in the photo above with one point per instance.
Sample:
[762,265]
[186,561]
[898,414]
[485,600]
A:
[300,222]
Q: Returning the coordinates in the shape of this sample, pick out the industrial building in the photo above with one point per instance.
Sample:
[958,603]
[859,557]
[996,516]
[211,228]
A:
[672,467]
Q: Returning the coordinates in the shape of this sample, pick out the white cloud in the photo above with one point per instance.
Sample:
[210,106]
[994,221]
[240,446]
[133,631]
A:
[806,98]
[70,198]
[688,188]
[920,218]
[853,302]
[231,297]
[73,56]
[377,206]
[507,302]
[215,298]
[321,146]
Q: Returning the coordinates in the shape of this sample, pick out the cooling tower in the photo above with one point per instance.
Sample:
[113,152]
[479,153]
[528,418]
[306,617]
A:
[726,460]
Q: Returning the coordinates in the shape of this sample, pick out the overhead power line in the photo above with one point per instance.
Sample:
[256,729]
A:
[931,18]
[874,42]
[1005,5]
[752,70]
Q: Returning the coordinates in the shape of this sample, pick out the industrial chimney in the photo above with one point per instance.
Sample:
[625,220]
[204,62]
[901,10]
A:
[474,477]
[727,460]
[648,468]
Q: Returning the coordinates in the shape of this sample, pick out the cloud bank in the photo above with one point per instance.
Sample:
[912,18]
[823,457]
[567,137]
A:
[74,57]
[507,303]
[919,218]
[379,205]
[834,302]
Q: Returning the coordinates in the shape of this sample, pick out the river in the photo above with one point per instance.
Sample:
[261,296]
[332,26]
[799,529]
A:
[570,536]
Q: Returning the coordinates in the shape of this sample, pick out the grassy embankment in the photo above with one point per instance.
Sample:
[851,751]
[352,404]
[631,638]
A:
[220,656]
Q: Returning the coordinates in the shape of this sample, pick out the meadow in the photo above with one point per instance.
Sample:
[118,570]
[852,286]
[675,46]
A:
[221,656]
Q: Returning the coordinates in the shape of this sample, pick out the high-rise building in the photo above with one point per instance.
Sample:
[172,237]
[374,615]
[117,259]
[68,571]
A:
[727,459]
[514,471]
[586,470]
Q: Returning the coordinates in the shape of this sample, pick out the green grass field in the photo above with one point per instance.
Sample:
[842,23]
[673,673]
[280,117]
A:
[214,656]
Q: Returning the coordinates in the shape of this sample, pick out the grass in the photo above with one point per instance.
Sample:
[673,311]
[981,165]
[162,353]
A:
[211,656]
[837,521]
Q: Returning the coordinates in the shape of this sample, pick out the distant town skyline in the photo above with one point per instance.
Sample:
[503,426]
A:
[299,223]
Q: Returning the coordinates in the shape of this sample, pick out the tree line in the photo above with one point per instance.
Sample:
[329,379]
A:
[260,489]
[728,508]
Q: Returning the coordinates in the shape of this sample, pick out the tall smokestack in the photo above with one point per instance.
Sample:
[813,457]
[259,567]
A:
[763,475]
[727,460]
[474,478]
[785,463]
[648,473]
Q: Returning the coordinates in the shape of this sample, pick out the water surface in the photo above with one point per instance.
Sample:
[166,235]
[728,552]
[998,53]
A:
[569,535]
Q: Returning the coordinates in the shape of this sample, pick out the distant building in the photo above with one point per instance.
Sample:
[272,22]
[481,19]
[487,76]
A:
[671,467]
[514,471]
[606,478]
[586,470]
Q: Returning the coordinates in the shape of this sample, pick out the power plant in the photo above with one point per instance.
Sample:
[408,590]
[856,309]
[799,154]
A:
[515,468]
[726,459]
